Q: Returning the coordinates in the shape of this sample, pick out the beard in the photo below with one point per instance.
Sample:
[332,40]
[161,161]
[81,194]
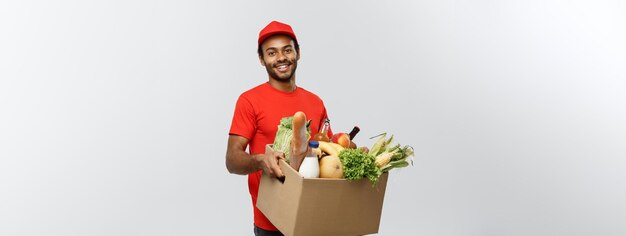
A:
[282,76]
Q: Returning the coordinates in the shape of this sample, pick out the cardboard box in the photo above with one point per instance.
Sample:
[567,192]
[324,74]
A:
[321,207]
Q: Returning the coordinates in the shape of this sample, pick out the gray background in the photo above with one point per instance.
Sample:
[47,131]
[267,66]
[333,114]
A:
[115,114]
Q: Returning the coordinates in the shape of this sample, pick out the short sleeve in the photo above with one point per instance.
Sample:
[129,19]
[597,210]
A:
[244,122]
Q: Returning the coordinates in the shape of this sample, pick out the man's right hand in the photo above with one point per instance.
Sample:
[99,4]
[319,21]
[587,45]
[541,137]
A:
[238,161]
[269,163]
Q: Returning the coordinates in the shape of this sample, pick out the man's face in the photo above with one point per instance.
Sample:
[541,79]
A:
[279,57]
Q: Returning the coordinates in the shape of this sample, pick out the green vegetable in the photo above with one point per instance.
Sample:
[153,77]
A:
[401,154]
[381,144]
[284,134]
[395,164]
[358,164]
[378,144]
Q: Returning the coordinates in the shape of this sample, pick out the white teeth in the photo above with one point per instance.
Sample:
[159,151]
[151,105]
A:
[282,67]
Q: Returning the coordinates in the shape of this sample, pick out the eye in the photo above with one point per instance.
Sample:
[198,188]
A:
[288,50]
[271,54]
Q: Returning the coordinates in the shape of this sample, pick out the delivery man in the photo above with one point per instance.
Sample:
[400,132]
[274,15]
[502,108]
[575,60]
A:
[258,112]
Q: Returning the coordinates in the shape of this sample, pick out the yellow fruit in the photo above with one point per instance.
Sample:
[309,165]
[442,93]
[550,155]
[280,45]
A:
[331,167]
[329,148]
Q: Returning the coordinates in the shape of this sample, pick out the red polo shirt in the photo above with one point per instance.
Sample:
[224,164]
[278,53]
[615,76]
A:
[257,115]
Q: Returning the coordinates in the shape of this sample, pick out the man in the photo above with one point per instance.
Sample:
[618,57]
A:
[258,112]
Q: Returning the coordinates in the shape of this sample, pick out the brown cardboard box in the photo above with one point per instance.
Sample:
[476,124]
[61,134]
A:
[321,207]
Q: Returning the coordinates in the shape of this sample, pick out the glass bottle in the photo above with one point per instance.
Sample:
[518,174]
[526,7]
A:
[322,134]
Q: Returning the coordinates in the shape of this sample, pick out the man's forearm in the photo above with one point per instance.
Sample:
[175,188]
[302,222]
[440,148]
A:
[241,163]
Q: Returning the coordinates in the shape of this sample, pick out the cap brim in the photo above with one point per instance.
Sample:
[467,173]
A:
[264,37]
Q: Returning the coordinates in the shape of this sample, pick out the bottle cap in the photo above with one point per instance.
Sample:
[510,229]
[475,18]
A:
[314,144]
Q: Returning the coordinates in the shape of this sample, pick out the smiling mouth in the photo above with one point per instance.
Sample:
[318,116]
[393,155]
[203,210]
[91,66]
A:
[282,68]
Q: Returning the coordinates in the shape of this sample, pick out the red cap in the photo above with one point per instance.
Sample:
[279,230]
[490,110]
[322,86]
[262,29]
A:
[274,28]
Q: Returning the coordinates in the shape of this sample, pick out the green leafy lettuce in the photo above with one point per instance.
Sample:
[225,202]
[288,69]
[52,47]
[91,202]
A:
[358,164]
[284,134]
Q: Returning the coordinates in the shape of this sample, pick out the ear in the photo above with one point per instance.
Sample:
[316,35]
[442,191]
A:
[298,55]
[262,60]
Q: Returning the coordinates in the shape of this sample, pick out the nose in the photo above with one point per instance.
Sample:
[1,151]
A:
[281,56]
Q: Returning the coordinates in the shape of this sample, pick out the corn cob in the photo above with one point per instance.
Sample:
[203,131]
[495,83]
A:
[384,158]
[377,145]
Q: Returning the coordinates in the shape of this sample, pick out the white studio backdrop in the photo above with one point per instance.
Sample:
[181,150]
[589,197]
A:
[114,115]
